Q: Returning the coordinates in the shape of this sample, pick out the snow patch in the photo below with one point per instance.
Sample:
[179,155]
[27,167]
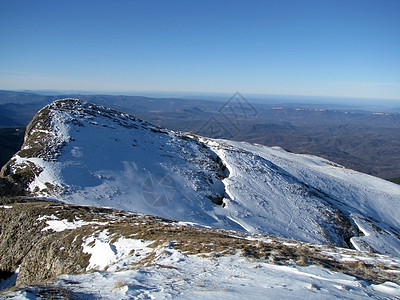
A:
[60,225]
[389,288]
[116,255]
[6,206]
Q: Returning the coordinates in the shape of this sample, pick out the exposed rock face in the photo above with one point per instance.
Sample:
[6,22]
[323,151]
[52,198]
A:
[10,185]
[39,141]
[37,253]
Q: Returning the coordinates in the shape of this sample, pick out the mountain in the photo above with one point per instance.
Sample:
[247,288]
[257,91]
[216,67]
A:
[100,204]
[85,154]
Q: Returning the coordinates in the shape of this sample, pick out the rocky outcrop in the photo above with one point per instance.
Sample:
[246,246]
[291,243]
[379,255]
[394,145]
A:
[37,253]
[39,141]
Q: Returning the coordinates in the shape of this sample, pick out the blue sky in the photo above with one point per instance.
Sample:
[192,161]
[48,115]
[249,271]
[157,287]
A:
[326,48]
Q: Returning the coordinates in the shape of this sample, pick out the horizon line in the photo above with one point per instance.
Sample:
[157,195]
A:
[162,94]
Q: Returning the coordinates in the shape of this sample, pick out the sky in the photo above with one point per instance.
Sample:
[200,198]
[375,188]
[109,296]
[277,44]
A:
[320,48]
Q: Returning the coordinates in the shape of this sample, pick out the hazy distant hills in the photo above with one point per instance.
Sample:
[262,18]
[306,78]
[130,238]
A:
[368,141]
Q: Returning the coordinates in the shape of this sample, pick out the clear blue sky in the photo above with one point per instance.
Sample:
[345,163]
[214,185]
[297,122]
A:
[328,48]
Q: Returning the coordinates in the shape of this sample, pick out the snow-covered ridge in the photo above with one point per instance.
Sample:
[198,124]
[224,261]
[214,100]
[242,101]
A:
[86,154]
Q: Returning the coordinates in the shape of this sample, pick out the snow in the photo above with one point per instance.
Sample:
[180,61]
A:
[45,217]
[113,160]
[191,224]
[49,172]
[61,225]
[278,185]
[6,206]
[174,275]
[113,256]
[388,288]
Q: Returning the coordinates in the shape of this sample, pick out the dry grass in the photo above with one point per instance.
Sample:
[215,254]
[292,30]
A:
[119,285]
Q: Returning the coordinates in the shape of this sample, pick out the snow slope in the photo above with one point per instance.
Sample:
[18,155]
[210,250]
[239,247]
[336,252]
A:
[311,194]
[173,274]
[97,156]
[177,276]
